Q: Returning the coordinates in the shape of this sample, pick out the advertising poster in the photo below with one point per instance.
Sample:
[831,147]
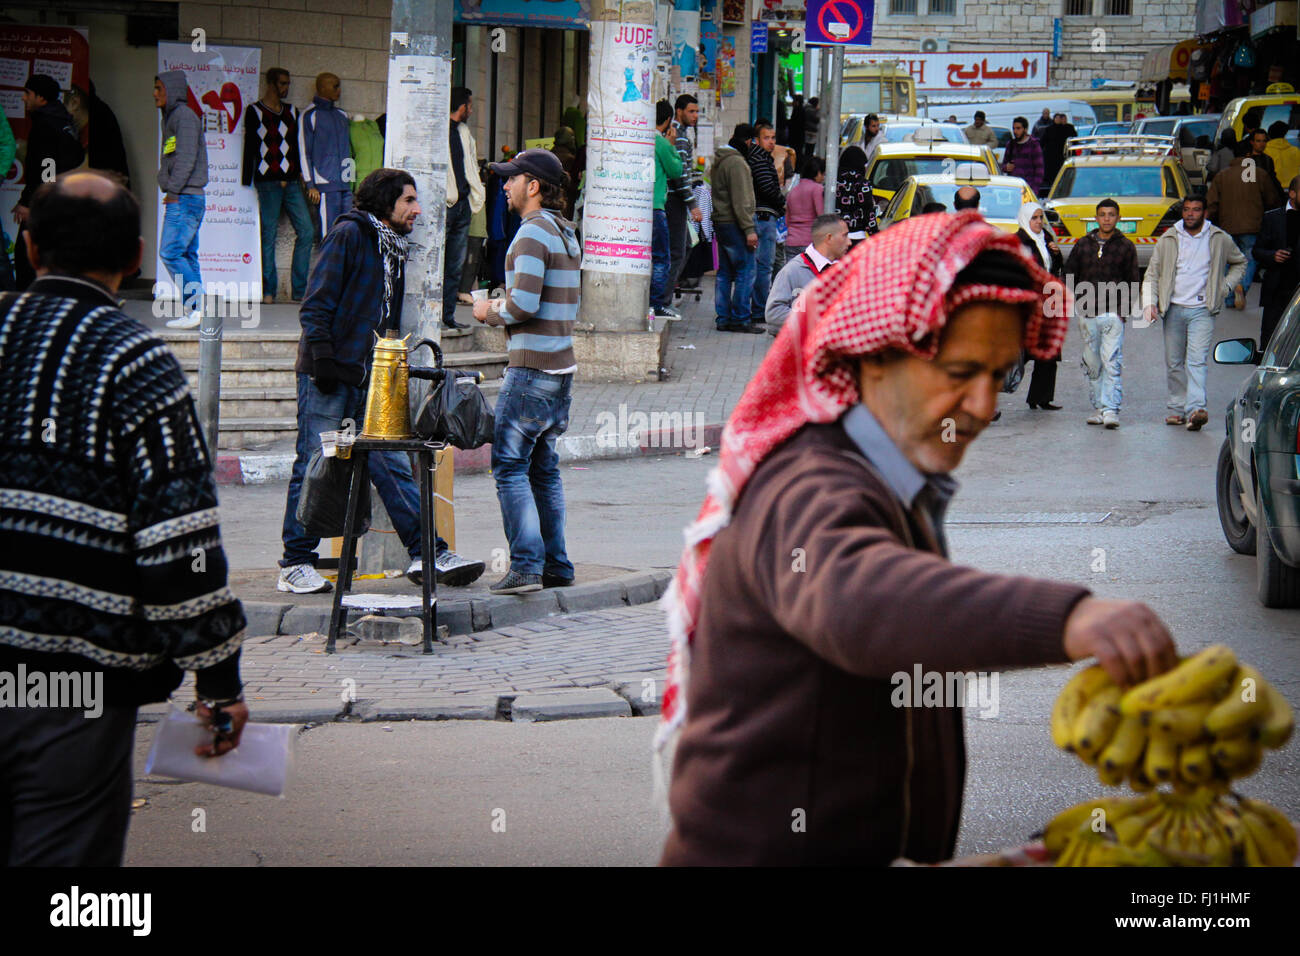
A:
[727,66]
[60,52]
[686,37]
[223,80]
[616,223]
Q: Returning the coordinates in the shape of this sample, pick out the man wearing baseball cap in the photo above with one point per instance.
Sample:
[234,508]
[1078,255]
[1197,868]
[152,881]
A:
[543,286]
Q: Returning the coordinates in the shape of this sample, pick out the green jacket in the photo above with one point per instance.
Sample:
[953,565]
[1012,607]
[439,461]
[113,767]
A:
[367,148]
[668,165]
[733,190]
[7,148]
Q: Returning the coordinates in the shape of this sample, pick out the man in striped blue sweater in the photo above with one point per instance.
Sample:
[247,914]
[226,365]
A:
[543,286]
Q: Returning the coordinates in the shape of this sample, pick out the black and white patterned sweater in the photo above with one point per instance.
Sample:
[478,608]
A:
[110,549]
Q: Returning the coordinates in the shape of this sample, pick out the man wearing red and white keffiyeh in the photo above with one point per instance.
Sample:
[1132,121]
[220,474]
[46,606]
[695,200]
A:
[815,586]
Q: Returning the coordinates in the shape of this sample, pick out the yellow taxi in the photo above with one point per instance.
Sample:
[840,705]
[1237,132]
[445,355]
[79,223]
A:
[1261,112]
[1141,173]
[893,163]
[1000,196]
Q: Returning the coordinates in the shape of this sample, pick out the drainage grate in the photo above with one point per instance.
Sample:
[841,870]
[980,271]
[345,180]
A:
[1031,517]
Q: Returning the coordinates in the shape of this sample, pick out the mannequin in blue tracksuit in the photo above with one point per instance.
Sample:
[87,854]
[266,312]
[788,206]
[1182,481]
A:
[326,146]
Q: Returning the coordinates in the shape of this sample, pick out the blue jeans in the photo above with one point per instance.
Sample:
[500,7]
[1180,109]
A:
[763,256]
[661,257]
[271,198]
[1245,243]
[532,412]
[179,247]
[453,262]
[1188,330]
[1103,342]
[390,471]
[735,283]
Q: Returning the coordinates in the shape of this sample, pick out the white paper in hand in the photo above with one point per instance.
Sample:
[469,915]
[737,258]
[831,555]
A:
[260,763]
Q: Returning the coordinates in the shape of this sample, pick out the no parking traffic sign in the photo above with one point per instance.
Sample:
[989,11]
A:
[838,22]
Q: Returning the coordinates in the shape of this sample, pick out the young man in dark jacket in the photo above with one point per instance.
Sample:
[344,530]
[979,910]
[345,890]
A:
[182,174]
[52,148]
[1023,156]
[355,292]
[1105,270]
[111,565]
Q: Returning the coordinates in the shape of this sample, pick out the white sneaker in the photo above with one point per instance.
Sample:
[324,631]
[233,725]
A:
[456,571]
[302,579]
[1095,418]
[191,321]
[1110,419]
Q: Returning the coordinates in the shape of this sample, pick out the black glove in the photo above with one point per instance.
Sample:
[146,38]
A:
[327,375]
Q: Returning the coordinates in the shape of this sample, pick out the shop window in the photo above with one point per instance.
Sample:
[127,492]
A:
[1119,8]
[902,8]
[1078,8]
[943,8]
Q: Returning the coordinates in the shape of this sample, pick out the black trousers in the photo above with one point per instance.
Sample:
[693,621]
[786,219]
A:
[1042,384]
[678,238]
[65,786]
[1274,308]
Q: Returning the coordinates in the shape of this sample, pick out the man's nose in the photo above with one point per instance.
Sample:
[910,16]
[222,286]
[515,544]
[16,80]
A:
[981,399]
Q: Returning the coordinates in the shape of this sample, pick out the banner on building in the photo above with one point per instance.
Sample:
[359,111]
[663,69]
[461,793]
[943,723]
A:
[60,52]
[965,72]
[223,80]
[557,14]
[619,192]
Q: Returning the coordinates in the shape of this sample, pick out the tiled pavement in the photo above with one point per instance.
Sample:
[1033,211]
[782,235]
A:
[589,664]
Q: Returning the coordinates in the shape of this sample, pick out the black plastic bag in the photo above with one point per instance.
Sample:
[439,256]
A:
[323,502]
[455,412]
[1015,376]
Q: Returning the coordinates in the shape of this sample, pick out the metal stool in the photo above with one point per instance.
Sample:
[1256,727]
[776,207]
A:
[361,449]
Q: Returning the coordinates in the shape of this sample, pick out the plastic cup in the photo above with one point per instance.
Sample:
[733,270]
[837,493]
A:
[479,295]
[329,444]
[346,438]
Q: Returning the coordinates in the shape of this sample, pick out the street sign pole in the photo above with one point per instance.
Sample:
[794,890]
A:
[833,130]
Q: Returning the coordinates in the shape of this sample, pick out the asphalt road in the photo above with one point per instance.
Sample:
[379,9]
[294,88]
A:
[579,792]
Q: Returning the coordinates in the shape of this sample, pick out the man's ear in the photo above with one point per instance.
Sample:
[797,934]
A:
[33,254]
[136,260]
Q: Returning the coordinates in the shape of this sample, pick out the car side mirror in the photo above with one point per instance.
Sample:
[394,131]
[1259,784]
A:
[1236,352]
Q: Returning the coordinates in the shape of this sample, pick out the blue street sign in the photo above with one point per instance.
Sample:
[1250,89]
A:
[839,22]
[1056,37]
[758,37]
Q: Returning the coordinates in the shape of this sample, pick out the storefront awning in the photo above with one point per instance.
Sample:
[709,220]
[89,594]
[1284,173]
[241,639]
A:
[1169,62]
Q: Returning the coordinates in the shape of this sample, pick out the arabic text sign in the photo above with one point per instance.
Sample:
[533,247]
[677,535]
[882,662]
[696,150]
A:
[838,22]
[221,79]
[966,72]
[620,182]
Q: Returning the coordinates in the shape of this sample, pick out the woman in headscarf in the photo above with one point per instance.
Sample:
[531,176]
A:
[853,195]
[815,581]
[1038,243]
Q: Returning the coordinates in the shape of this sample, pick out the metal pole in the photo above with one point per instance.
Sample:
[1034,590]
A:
[210,376]
[823,108]
[833,130]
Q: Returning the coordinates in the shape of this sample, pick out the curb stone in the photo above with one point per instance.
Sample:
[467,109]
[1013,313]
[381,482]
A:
[434,707]
[537,706]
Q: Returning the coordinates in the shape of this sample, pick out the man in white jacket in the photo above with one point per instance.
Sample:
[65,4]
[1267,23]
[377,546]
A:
[1185,286]
[465,197]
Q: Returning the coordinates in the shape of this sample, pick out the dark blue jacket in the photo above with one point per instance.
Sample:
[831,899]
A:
[344,304]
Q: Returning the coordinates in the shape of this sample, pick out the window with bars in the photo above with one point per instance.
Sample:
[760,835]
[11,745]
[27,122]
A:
[902,8]
[1078,8]
[1119,8]
[943,8]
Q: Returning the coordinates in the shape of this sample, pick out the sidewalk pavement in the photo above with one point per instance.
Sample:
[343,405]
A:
[706,373]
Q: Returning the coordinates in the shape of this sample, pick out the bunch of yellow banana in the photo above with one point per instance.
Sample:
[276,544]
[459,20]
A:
[1201,724]
[1201,828]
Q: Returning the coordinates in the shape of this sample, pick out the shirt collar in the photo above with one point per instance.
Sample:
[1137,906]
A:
[905,480]
[73,287]
[819,260]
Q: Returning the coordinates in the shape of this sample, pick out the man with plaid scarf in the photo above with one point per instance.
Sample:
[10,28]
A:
[354,293]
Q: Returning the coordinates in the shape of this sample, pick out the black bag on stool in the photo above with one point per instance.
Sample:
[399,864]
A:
[455,412]
[323,501]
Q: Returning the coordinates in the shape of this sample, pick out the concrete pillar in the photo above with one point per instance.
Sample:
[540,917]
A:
[616,296]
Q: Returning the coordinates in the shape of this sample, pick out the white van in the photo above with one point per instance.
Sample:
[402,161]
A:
[1002,113]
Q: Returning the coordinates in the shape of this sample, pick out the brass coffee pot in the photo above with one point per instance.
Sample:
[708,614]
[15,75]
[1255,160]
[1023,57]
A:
[388,407]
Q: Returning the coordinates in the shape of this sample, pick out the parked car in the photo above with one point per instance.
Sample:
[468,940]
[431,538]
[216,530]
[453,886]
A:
[1138,172]
[1194,136]
[1000,196]
[894,162]
[1258,476]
